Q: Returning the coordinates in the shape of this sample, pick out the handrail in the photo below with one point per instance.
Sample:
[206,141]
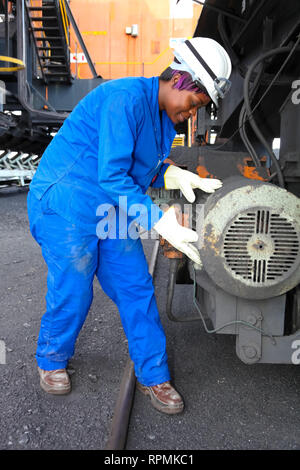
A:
[80,39]
[20,63]
[64,19]
[41,34]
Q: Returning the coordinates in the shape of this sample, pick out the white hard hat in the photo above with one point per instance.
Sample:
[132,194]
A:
[208,63]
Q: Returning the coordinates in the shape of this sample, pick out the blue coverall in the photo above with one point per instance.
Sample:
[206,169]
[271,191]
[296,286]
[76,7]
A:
[108,151]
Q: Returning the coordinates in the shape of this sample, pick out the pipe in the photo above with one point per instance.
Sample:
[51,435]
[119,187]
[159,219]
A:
[242,121]
[249,111]
[236,60]
[6,28]
[120,421]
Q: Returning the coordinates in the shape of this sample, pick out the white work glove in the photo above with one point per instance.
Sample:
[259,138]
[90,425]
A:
[180,237]
[186,181]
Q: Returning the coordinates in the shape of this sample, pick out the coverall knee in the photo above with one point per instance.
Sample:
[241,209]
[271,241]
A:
[124,277]
[73,257]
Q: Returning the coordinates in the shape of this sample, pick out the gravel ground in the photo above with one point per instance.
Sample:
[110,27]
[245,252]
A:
[229,405]
[30,418]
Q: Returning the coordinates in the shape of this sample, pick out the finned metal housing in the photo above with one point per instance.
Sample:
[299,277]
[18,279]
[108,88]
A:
[251,239]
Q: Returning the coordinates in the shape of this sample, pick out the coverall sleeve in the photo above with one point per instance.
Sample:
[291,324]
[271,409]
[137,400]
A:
[119,121]
[158,180]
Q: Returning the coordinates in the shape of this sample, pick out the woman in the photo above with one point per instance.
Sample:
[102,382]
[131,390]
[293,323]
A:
[101,162]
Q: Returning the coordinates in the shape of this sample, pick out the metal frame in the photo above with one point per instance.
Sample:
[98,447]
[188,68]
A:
[223,11]
[265,329]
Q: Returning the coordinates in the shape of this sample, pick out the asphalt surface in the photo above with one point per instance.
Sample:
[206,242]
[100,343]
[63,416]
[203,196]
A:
[229,405]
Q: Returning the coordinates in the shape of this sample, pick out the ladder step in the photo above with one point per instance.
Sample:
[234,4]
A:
[54,65]
[41,8]
[43,18]
[55,28]
[49,48]
[54,74]
[44,57]
[50,38]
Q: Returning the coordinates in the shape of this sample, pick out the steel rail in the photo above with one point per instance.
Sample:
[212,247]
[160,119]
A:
[120,421]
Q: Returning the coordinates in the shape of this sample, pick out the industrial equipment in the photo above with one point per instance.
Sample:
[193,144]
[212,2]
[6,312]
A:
[249,230]
[37,89]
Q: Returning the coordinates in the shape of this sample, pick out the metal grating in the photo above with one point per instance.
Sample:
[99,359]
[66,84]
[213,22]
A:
[261,247]
[17,167]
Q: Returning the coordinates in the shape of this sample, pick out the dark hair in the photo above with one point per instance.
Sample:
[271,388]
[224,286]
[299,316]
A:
[184,83]
[166,75]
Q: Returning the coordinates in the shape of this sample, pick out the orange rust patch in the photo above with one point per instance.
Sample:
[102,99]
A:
[168,250]
[203,173]
[251,171]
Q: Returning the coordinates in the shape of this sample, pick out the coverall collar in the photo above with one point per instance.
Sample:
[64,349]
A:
[161,125]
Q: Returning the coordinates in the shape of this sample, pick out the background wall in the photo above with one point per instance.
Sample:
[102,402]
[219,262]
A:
[102,24]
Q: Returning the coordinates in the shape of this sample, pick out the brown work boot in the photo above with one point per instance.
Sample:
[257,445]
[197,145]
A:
[56,381]
[163,397]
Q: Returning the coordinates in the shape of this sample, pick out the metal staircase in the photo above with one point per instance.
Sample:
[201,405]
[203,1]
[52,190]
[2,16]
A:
[38,33]
[49,27]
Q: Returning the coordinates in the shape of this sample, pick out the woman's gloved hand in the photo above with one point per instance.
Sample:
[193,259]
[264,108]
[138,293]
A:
[180,237]
[186,181]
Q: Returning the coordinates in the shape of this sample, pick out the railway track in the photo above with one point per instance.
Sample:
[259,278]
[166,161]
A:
[121,417]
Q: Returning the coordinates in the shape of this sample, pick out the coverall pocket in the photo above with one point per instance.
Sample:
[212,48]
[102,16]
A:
[45,203]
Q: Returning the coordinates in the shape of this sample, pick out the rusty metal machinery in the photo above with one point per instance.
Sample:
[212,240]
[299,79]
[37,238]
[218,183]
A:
[251,239]
[249,230]
[248,284]
[248,281]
